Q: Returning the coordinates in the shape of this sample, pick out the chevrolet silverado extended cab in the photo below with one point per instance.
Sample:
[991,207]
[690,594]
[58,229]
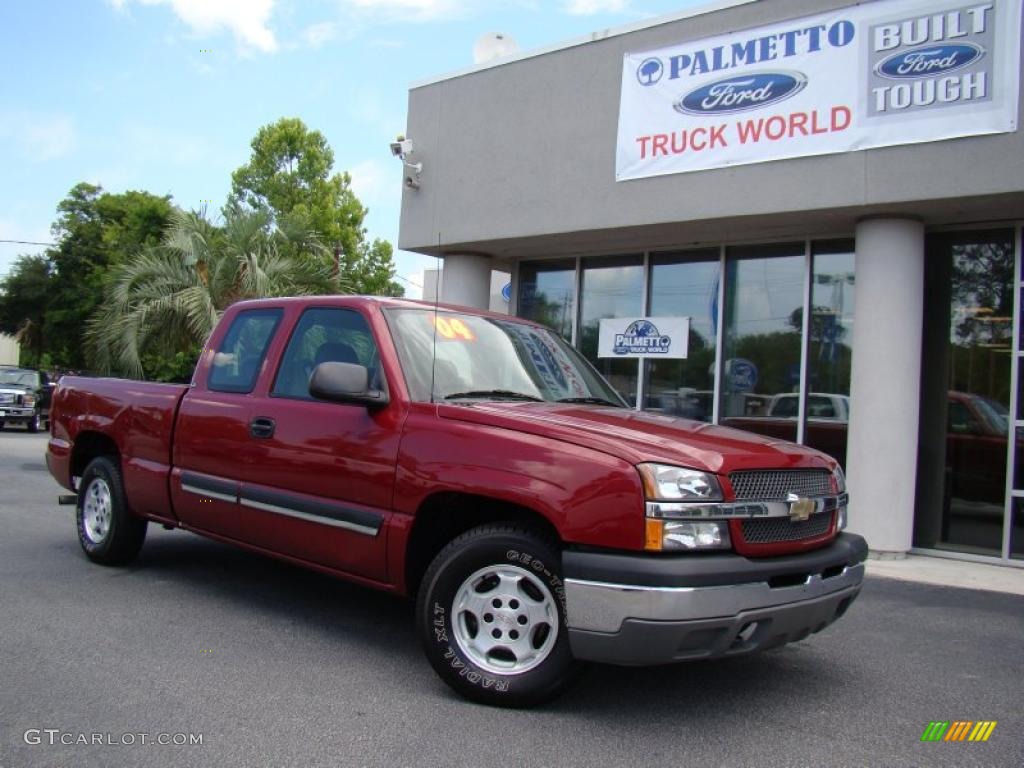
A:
[478,463]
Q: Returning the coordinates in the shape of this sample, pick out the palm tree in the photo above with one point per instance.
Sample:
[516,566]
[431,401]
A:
[167,299]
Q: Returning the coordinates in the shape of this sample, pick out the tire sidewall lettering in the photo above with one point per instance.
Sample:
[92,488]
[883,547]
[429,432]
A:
[554,581]
[484,681]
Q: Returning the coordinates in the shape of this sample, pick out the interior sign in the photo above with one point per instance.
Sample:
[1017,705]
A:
[665,338]
[870,75]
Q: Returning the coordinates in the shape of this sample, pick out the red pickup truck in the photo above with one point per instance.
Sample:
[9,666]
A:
[478,463]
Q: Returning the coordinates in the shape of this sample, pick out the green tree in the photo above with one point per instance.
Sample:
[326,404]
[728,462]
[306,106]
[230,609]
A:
[373,273]
[23,298]
[289,175]
[162,304]
[53,295]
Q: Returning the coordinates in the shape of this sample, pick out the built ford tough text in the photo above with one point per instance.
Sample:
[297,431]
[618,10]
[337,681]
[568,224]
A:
[478,463]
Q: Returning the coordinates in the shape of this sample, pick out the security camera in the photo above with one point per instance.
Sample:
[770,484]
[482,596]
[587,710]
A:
[412,183]
[401,148]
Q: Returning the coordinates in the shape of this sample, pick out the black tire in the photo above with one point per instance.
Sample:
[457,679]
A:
[514,550]
[32,425]
[115,535]
[1,426]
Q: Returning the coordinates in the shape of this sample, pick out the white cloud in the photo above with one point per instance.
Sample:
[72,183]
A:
[408,10]
[318,34]
[247,20]
[591,7]
[371,180]
[39,137]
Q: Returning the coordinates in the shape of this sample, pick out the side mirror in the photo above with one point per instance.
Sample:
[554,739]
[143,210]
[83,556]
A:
[345,383]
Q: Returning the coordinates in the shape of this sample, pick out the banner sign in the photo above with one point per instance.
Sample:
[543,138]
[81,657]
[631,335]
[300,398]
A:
[871,75]
[663,338]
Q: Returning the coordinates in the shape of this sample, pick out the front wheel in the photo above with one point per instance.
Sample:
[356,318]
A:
[34,423]
[491,615]
[107,530]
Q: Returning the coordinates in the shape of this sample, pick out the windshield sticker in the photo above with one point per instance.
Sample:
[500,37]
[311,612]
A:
[451,329]
[557,373]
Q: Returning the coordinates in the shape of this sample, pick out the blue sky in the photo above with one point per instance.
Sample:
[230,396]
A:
[165,95]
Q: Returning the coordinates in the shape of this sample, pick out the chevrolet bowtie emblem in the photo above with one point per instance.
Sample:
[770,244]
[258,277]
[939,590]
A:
[799,509]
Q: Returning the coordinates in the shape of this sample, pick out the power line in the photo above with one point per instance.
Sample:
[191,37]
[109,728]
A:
[29,243]
[410,282]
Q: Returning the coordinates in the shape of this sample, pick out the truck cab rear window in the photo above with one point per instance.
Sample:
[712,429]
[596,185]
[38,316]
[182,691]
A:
[236,364]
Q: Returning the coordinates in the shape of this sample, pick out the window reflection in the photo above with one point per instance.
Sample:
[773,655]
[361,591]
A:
[830,348]
[965,393]
[1017,531]
[763,327]
[685,285]
[546,293]
[611,288]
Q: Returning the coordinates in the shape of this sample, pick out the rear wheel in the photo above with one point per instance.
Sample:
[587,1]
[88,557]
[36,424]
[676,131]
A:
[491,615]
[107,530]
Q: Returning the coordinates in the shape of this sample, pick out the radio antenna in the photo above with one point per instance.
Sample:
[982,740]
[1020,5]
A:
[437,298]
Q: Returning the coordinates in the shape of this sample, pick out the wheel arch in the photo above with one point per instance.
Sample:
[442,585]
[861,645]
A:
[90,445]
[443,516]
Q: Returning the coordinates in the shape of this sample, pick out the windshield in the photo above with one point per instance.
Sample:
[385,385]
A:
[19,378]
[995,413]
[490,358]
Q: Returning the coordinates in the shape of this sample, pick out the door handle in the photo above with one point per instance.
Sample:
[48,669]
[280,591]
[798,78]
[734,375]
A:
[261,427]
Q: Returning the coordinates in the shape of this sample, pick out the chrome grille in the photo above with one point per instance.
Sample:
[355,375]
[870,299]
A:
[769,530]
[6,398]
[777,484]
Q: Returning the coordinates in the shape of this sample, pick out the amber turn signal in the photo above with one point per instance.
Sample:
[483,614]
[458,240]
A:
[654,534]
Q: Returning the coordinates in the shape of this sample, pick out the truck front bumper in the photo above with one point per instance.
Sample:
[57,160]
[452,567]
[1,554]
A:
[640,610]
[16,414]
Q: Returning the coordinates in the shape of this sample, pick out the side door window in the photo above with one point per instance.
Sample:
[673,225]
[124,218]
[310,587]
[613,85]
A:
[323,486]
[325,335]
[213,440]
[236,364]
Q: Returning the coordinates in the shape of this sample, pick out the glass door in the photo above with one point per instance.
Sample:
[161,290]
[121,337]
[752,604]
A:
[967,362]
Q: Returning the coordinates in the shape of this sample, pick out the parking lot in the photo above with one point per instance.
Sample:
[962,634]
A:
[276,666]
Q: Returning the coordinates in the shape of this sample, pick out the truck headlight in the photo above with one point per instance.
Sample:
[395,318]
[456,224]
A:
[838,480]
[663,482]
[686,535]
[29,401]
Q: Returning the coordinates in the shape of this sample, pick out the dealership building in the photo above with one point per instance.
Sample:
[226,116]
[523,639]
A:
[828,196]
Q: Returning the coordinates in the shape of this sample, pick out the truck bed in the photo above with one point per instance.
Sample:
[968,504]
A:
[137,417]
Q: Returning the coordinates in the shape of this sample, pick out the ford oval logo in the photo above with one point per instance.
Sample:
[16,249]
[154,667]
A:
[739,93]
[929,60]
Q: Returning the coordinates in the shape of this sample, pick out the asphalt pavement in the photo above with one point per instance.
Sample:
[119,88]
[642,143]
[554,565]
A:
[271,665]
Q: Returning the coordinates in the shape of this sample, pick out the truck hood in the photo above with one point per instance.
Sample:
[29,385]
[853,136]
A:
[636,436]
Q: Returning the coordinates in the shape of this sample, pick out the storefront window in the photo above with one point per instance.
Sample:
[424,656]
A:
[546,294]
[1017,531]
[830,348]
[763,327]
[965,392]
[685,285]
[612,287]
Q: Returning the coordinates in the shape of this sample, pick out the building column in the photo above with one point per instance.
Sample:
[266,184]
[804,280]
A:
[466,280]
[885,381]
